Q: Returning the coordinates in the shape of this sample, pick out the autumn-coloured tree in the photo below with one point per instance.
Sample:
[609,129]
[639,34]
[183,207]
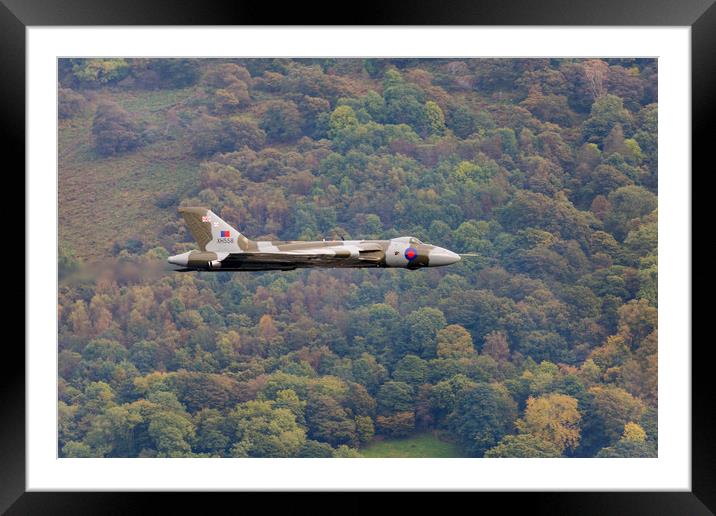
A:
[633,443]
[496,345]
[281,120]
[554,418]
[69,103]
[399,424]
[454,341]
[615,408]
[595,72]
[115,130]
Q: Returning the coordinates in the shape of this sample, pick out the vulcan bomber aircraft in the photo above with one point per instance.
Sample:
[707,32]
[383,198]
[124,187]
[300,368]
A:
[223,248]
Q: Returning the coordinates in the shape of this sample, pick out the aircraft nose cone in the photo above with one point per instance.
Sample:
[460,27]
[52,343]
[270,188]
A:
[179,259]
[440,256]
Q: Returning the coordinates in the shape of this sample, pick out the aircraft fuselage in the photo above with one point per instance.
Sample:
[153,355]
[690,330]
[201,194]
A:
[223,248]
[405,252]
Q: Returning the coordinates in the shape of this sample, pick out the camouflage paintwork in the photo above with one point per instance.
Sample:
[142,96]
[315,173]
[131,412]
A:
[222,247]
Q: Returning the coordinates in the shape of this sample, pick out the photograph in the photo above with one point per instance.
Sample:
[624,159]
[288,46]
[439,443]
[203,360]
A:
[357,257]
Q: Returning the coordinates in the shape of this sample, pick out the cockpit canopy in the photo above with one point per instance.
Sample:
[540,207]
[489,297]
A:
[408,240]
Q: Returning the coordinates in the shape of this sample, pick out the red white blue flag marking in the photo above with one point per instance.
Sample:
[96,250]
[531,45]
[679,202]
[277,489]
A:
[411,253]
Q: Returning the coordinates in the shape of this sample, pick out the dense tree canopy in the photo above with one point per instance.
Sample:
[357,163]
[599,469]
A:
[541,343]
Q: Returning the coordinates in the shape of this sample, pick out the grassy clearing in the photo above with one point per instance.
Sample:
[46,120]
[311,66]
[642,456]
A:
[107,199]
[154,102]
[416,446]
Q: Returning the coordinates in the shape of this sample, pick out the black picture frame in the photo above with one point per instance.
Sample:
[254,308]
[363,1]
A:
[17,15]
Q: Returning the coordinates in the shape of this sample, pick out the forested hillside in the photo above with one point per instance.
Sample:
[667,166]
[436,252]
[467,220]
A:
[542,344]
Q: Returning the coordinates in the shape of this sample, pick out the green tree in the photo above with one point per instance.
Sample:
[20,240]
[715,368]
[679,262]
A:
[176,72]
[329,422]
[607,111]
[628,203]
[421,328]
[170,427]
[260,430]
[461,121]
[435,118]
[629,449]
[377,326]
[411,369]
[545,345]
[483,414]
[615,408]
[344,452]
[404,103]
[112,432]
[395,397]
[281,120]
[94,73]
[368,372]
[365,428]
[315,449]
[342,118]
[633,444]
[443,395]
[171,433]
[523,446]
[79,450]
[211,432]
[144,355]
[289,399]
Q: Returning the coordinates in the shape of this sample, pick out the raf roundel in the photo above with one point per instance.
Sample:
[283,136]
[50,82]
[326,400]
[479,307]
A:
[411,253]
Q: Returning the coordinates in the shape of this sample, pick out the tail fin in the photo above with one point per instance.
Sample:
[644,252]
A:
[212,233]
